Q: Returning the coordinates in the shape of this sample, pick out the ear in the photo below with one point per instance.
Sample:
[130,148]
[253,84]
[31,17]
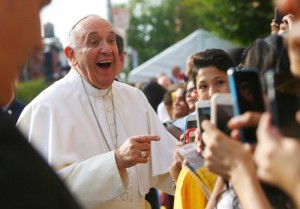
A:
[122,56]
[70,54]
[196,94]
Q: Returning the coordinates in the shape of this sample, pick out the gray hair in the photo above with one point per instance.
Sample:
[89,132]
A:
[71,40]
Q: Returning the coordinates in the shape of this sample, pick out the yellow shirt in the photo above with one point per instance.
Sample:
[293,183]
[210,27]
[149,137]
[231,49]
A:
[189,190]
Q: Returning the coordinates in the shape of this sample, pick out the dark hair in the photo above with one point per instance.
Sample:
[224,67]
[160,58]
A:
[211,57]
[268,53]
[154,93]
[236,54]
[120,43]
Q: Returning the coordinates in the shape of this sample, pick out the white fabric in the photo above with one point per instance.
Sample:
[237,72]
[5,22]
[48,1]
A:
[227,200]
[61,125]
[176,55]
[162,113]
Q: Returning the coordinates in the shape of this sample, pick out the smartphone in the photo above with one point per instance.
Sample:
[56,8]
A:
[190,135]
[191,122]
[278,16]
[282,105]
[246,91]
[190,128]
[221,111]
[203,112]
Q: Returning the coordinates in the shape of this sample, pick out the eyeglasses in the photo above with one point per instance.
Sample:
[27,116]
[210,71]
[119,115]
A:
[189,91]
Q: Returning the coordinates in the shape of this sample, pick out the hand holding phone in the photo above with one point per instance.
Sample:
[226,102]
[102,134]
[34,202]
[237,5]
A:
[203,112]
[221,111]
[190,127]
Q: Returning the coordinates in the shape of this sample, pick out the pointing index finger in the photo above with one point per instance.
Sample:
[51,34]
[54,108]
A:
[147,138]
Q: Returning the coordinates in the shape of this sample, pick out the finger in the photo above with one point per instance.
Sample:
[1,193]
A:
[207,125]
[235,134]
[263,126]
[248,119]
[298,117]
[146,138]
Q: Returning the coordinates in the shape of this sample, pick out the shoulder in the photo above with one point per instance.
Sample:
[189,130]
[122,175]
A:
[128,90]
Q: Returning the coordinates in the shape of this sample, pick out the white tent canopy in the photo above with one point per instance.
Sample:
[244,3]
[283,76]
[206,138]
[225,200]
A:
[176,55]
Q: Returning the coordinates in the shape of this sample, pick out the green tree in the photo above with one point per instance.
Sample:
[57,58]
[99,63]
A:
[152,27]
[157,24]
[239,21]
[27,91]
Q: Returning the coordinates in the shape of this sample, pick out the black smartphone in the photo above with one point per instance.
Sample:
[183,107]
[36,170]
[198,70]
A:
[203,112]
[282,105]
[246,91]
[278,16]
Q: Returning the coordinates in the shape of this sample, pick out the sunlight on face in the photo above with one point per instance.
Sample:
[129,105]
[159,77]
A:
[210,80]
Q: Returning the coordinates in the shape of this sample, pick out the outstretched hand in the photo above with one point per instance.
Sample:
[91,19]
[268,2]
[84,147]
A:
[135,150]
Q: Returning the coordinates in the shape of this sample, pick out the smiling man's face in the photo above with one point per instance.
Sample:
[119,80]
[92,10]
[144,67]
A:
[95,54]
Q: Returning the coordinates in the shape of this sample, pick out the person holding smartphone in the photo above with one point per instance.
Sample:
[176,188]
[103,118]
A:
[233,160]
[277,156]
[209,76]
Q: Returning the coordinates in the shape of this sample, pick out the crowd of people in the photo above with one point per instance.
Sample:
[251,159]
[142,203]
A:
[95,142]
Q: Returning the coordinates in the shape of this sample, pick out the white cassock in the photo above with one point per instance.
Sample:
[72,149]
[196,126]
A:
[62,125]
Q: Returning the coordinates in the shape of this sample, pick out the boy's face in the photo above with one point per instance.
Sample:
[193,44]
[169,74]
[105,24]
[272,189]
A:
[210,80]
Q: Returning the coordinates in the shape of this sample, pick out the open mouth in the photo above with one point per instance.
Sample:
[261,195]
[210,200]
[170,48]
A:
[104,64]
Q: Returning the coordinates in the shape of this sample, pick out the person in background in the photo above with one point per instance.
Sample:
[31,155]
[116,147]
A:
[233,160]
[284,27]
[27,181]
[209,76]
[180,110]
[189,95]
[236,54]
[164,80]
[154,93]
[162,110]
[180,107]
[122,53]
[14,109]
[105,140]
[277,156]
[188,68]
[177,75]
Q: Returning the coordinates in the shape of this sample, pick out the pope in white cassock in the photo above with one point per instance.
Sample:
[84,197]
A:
[100,135]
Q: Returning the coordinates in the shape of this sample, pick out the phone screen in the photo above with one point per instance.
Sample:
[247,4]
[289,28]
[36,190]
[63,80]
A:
[247,95]
[203,114]
[283,106]
[191,124]
[224,114]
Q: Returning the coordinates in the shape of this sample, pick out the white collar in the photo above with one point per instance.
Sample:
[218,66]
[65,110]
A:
[91,90]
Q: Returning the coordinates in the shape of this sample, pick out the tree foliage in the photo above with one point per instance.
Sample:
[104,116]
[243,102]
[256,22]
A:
[157,24]
[240,21]
[152,27]
[27,91]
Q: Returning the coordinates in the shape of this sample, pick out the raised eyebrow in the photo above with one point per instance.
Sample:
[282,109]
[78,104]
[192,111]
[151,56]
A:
[112,33]
[91,33]
[220,77]
[201,82]
[95,33]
